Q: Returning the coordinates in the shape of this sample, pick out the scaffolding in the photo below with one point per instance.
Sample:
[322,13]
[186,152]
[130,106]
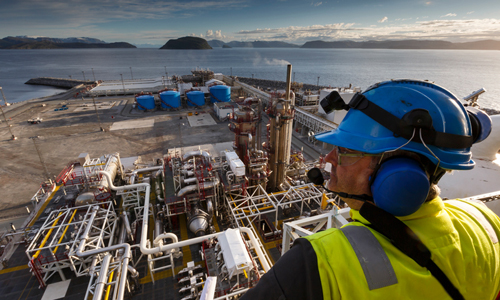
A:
[53,247]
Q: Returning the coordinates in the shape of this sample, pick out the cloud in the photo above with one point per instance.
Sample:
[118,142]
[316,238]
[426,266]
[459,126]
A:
[449,15]
[77,13]
[428,3]
[316,4]
[470,12]
[451,30]
[384,19]
[216,35]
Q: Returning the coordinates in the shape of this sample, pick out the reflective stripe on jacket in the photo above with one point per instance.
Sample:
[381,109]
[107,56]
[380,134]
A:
[357,262]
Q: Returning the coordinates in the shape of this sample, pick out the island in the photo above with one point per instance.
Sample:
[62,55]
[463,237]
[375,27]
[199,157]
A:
[187,42]
[407,44]
[24,42]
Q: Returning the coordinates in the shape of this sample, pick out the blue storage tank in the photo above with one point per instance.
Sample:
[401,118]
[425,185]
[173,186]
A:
[195,98]
[145,102]
[170,99]
[220,93]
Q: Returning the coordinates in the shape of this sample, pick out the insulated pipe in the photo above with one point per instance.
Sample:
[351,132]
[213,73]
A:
[127,226]
[111,167]
[189,180]
[191,188]
[125,261]
[144,230]
[135,172]
[101,280]
[132,271]
[190,154]
[187,190]
[175,244]
[157,232]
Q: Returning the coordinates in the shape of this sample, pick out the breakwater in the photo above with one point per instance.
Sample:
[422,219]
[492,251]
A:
[58,82]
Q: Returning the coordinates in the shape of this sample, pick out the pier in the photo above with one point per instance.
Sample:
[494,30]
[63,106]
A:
[58,82]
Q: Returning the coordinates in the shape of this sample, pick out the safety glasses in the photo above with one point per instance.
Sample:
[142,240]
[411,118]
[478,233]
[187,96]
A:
[347,157]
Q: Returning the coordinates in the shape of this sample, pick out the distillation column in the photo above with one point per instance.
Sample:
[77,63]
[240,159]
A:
[281,115]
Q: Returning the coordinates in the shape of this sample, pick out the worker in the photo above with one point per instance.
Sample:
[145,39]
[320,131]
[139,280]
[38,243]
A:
[396,141]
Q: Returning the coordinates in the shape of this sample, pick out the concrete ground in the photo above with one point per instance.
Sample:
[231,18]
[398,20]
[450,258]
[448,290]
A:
[64,134]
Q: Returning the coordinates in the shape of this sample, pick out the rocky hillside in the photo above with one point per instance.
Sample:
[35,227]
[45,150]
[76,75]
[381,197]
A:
[187,42]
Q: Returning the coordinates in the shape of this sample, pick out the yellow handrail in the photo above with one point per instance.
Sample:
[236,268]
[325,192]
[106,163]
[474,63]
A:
[108,289]
[64,232]
[47,236]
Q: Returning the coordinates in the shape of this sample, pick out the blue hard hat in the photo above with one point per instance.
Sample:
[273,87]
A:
[447,121]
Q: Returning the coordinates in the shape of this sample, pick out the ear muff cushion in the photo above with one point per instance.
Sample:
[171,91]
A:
[400,186]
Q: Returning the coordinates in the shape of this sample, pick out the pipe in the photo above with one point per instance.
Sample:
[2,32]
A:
[112,168]
[187,190]
[190,154]
[127,225]
[191,188]
[132,271]
[126,257]
[122,237]
[176,244]
[260,254]
[157,232]
[134,173]
[101,280]
[189,180]
[144,230]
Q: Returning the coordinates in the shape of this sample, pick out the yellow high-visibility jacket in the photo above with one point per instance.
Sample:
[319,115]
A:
[357,262]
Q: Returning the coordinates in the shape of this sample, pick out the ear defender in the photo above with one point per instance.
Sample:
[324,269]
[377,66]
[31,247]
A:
[480,123]
[399,186]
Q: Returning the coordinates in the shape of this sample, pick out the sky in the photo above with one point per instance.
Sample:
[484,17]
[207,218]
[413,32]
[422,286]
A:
[154,22]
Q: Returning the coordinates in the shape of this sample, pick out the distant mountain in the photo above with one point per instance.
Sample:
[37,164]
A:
[261,44]
[187,42]
[56,43]
[85,40]
[406,44]
[255,44]
[216,43]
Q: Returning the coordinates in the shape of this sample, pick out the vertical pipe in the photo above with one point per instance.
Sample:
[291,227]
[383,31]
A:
[101,280]
[288,81]
[127,226]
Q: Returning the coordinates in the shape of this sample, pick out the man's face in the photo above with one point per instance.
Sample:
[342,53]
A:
[352,175]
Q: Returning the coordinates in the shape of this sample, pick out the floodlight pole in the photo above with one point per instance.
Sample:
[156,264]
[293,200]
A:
[123,84]
[84,76]
[3,96]
[7,123]
[97,114]
[40,157]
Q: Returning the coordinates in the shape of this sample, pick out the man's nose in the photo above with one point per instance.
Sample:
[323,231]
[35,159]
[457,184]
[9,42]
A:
[332,157]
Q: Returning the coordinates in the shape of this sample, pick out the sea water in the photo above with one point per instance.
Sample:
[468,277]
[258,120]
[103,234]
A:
[460,71]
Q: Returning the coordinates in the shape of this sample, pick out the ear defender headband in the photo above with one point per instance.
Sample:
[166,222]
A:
[399,186]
